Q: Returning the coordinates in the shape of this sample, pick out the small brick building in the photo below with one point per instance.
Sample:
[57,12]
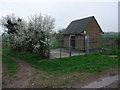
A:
[78,30]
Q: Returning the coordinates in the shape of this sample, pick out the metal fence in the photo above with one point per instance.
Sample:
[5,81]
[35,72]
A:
[110,43]
[73,46]
[69,47]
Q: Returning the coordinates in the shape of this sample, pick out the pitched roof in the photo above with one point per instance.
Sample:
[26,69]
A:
[78,26]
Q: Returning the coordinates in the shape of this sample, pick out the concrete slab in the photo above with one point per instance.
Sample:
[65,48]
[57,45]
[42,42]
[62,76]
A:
[55,53]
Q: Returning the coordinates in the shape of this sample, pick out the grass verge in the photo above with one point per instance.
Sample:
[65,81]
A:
[112,52]
[11,66]
[22,55]
[86,63]
[93,63]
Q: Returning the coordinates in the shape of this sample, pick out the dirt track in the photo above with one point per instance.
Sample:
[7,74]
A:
[22,78]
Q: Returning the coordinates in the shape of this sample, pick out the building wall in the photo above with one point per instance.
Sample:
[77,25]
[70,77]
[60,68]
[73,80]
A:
[92,30]
[66,41]
[95,35]
[79,43]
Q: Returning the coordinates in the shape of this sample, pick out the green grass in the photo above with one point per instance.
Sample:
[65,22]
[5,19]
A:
[93,63]
[25,56]
[112,52]
[55,44]
[110,36]
[86,63]
[11,66]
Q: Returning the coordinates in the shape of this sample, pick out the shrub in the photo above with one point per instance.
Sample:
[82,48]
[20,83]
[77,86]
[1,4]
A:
[33,37]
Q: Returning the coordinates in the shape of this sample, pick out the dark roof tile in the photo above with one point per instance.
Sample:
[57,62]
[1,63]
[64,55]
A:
[77,26]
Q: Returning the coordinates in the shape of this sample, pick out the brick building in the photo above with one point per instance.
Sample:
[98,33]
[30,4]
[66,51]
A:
[78,30]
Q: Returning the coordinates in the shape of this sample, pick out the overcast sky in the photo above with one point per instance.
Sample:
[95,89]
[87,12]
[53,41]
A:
[64,11]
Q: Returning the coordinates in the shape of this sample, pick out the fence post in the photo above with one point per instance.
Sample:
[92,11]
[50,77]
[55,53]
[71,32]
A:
[87,44]
[48,51]
[69,46]
[60,46]
[49,56]
[48,43]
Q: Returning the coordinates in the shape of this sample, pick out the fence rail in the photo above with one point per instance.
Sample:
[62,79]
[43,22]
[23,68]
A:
[66,49]
[69,49]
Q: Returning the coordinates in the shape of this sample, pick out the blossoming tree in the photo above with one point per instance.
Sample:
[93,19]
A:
[32,36]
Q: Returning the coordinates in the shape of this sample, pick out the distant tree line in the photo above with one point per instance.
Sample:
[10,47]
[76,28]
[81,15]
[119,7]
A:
[111,33]
[58,35]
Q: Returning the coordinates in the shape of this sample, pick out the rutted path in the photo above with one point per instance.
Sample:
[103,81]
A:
[103,82]
[23,75]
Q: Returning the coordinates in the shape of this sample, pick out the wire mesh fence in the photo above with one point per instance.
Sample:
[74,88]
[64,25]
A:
[68,47]
[73,46]
[110,43]
[80,45]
